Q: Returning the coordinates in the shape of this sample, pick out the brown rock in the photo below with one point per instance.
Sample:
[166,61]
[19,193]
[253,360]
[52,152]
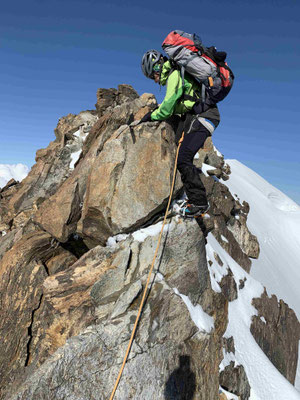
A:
[59,214]
[60,262]
[228,286]
[105,99]
[126,93]
[10,183]
[70,124]
[140,114]
[229,243]
[248,242]
[129,168]
[22,273]
[108,98]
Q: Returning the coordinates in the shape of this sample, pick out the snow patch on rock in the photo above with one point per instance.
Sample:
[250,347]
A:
[203,321]
[113,240]
[74,158]
[227,359]
[152,230]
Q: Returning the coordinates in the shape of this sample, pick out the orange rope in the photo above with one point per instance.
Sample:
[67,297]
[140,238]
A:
[149,275]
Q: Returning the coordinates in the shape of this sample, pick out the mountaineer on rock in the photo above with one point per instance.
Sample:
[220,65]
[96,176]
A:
[198,121]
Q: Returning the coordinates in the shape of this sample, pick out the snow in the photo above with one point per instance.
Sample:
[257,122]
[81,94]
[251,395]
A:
[275,220]
[205,168]
[229,396]
[217,151]
[224,239]
[74,158]
[15,171]
[152,230]
[81,134]
[265,380]
[203,321]
[228,357]
[113,240]
[216,271]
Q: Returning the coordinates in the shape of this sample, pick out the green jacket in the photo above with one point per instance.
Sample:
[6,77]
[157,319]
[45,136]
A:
[173,102]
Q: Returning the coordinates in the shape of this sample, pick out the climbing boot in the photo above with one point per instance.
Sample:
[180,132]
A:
[188,210]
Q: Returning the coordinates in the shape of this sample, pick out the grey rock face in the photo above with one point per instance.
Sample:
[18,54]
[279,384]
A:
[234,379]
[168,345]
[277,331]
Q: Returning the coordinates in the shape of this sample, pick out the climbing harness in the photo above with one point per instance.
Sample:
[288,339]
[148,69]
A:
[149,274]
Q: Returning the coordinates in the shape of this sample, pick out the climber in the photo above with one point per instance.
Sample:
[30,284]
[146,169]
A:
[197,119]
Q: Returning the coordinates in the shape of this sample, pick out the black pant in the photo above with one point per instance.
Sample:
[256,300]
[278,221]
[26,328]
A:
[194,139]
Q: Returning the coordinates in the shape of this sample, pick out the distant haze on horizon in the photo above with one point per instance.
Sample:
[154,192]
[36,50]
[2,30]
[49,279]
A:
[54,56]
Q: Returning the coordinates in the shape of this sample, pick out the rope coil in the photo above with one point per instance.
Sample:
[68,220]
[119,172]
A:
[149,274]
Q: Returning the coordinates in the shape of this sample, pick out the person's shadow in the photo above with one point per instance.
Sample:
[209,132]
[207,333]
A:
[181,383]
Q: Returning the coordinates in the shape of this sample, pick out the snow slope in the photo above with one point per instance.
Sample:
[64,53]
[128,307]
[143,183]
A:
[265,380]
[275,219]
[9,171]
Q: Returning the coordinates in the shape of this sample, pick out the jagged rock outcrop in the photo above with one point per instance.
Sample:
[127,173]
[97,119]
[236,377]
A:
[70,292]
[129,177]
[277,331]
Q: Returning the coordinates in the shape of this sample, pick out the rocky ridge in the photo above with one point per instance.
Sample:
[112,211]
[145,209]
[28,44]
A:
[78,237]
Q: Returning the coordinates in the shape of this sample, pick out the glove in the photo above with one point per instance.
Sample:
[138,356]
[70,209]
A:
[146,118]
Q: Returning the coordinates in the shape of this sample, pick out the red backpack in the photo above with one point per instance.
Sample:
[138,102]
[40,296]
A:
[206,65]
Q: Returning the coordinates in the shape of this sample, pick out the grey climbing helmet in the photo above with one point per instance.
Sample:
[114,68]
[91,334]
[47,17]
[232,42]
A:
[148,62]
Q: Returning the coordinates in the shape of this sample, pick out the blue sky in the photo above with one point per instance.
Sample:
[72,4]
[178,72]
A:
[55,54]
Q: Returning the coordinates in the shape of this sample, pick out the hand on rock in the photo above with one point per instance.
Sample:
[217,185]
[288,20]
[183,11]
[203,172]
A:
[147,117]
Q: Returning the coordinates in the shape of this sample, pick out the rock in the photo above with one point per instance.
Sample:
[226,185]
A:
[69,296]
[149,100]
[168,345]
[52,167]
[105,99]
[6,214]
[126,93]
[21,276]
[226,169]
[60,262]
[108,98]
[6,241]
[69,125]
[277,331]
[215,172]
[214,160]
[220,198]
[225,177]
[248,242]
[228,344]
[10,183]
[126,299]
[63,222]
[129,168]
[234,380]
[60,213]
[228,286]
[226,239]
